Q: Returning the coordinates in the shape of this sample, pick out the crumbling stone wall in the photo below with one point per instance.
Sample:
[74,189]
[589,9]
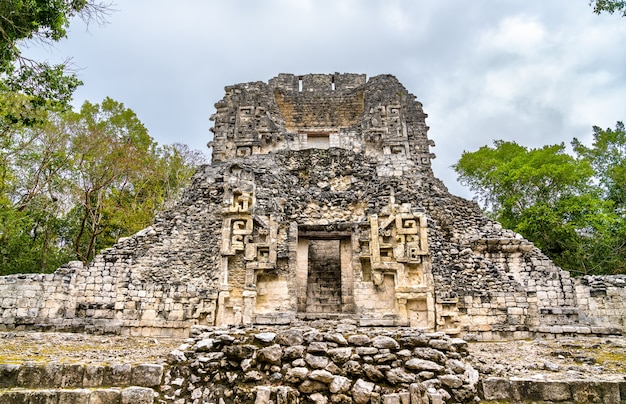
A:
[326,362]
[602,300]
[157,282]
[298,161]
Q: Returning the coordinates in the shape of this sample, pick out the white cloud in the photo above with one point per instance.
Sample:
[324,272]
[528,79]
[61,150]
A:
[535,72]
[520,34]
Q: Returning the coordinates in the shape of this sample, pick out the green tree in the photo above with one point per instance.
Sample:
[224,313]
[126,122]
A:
[609,6]
[510,178]
[75,181]
[43,20]
[549,197]
[112,150]
[33,162]
[607,155]
[41,86]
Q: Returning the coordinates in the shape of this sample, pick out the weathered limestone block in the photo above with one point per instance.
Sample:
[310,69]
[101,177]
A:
[316,362]
[384,342]
[423,365]
[340,355]
[595,392]
[400,376]
[9,375]
[340,384]
[294,352]
[372,372]
[311,386]
[296,374]
[359,340]
[105,396]
[266,337]
[290,338]
[321,375]
[74,396]
[137,395]
[93,375]
[146,375]
[361,391]
[117,374]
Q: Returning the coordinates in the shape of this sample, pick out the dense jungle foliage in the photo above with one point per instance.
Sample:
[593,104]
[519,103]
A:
[571,207]
[71,182]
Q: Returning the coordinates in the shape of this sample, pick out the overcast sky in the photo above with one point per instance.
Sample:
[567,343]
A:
[536,72]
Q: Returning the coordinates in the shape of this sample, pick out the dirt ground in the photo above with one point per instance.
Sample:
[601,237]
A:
[24,346]
[586,358]
[556,359]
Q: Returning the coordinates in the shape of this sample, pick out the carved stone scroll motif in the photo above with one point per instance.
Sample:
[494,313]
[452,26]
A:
[398,247]
[260,251]
[236,233]
[385,123]
[397,239]
[252,125]
[237,225]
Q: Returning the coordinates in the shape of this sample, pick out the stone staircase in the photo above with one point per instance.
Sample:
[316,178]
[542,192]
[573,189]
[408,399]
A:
[76,383]
[559,321]
[324,283]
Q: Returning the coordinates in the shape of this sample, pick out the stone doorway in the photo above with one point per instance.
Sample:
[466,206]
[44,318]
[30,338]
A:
[324,274]
[323,293]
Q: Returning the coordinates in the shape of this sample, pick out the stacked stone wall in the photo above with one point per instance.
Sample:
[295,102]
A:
[160,281]
[302,111]
[323,362]
[602,300]
[30,299]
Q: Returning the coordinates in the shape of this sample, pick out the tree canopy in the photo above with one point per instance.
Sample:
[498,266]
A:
[71,182]
[607,155]
[572,207]
[610,6]
[44,20]
[41,86]
[75,181]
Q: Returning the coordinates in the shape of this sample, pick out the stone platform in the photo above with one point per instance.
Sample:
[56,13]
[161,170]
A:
[77,368]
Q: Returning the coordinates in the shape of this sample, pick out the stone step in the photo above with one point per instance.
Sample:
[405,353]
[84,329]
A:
[321,301]
[56,375]
[529,390]
[583,329]
[126,395]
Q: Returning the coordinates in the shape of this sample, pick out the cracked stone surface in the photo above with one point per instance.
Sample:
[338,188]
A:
[555,359]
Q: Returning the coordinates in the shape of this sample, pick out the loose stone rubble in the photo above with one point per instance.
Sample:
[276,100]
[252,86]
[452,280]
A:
[321,362]
[35,367]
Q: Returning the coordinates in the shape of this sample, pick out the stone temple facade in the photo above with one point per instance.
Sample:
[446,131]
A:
[320,203]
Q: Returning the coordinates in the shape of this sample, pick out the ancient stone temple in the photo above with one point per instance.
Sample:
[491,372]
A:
[311,226]
[320,203]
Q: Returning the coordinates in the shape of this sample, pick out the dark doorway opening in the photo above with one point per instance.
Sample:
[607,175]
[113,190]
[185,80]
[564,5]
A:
[324,277]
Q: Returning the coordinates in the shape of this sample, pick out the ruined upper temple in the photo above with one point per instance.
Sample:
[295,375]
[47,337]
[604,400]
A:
[320,202]
[378,119]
